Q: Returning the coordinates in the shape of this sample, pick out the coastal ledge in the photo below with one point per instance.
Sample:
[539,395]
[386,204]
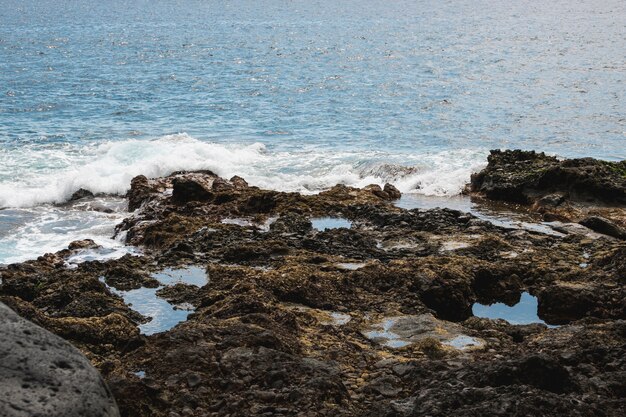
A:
[584,190]
[293,315]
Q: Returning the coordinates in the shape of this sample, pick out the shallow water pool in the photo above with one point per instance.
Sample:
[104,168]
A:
[324,223]
[163,314]
[524,312]
[191,275]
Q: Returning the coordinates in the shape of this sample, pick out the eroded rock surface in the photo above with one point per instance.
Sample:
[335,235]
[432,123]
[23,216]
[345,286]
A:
[572,189]
[283,328]
[43,375]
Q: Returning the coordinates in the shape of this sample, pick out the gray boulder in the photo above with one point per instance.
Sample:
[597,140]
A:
[43,375]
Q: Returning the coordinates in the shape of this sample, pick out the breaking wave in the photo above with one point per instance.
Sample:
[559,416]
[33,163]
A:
[45,175]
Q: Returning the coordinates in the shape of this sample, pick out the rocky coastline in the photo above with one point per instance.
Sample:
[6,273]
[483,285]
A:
[278,312]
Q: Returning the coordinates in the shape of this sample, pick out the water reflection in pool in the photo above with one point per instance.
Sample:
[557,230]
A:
[524,312]
[163,315]
[323,223]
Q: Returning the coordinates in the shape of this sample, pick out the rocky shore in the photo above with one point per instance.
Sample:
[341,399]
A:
[252,302]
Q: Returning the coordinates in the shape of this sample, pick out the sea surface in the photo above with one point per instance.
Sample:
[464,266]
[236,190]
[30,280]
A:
[291,95]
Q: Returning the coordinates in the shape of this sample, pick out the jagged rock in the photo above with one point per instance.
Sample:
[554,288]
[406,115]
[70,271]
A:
[238,182]
[191,189]
[81,193]
[295,320]
[550,201]
[392,191]
[43,375]
[523,177]
[387,385]
[140,191]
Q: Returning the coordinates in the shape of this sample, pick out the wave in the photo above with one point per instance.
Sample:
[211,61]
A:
[51,175]
[28,233]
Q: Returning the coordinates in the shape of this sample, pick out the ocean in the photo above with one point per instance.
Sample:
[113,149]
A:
[291,95]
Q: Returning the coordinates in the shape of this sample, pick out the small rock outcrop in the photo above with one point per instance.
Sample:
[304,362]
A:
[525,176]
[563,190]
[80,194]
[43,375]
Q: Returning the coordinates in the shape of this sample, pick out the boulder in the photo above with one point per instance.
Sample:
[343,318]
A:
[43,375]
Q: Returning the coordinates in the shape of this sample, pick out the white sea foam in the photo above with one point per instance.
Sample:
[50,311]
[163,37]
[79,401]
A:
[39,175]
[49,175]
[35,231]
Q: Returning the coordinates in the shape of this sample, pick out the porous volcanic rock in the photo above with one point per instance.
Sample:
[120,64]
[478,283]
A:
[43,375]
[561,190]
[522,176]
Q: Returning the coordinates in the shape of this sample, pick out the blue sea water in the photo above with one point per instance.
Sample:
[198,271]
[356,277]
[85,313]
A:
[295,95]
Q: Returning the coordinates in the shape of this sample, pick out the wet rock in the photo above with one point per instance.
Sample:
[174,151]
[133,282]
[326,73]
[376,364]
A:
[187,189]
[377,191]
[100,208]
[80,194]
[281,328]
[389,192]
[392,191]
[41,374]
[83,244]
[238,182]
[387,385]
[140,191]
[522,177]
[604,226]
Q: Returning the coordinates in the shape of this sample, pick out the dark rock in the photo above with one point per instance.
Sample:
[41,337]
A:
[263,202]
[490,287]
[238,182]
[387,385]
[550,201]
[604,226]
[220,184]
[377,191]
[100,208]
[540,371]
[83,244]
[294,321]
[291,223]
[392,191]
[140,191]
[81,193]
[43,375]
[561,304]
[523,177]
[191,189]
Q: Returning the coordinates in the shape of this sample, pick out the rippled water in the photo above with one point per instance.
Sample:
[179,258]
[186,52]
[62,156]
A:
[299,95]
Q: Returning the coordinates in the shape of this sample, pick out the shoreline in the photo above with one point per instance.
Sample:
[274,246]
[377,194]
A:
[258,304]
